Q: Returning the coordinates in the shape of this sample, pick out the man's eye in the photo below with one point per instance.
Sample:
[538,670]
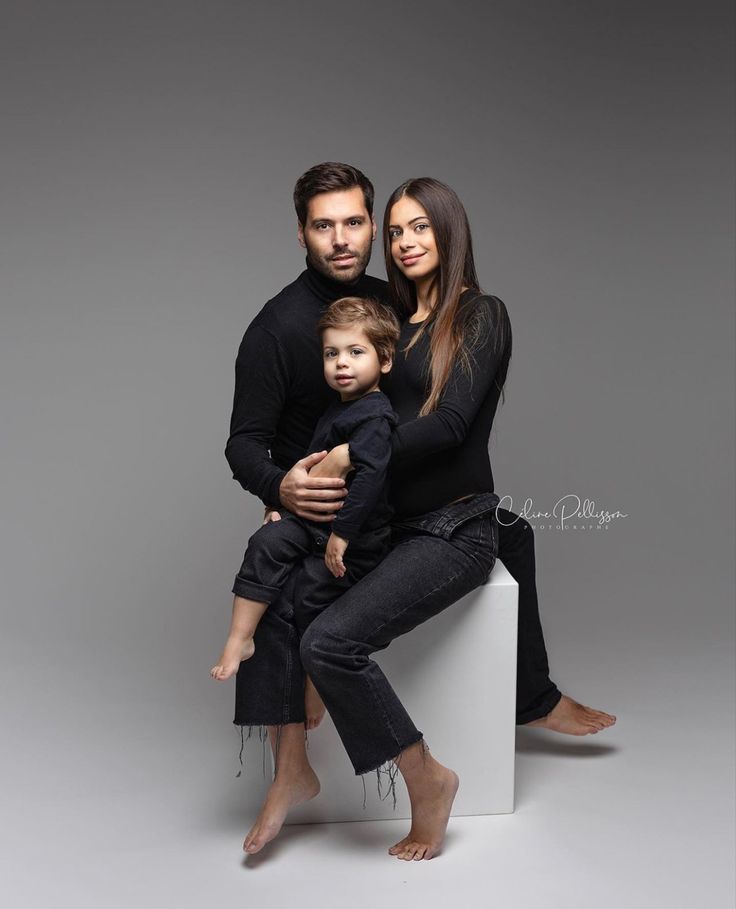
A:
[356,222]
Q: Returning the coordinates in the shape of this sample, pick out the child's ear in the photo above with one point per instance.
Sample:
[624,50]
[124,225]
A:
[386,366]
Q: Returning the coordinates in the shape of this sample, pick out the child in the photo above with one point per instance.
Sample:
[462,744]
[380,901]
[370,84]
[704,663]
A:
[358,341]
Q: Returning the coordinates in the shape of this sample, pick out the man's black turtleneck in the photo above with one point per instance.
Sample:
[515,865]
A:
[279,395]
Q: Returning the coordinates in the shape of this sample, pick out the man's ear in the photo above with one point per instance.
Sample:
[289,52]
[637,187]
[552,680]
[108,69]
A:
[300,234]
[375,229]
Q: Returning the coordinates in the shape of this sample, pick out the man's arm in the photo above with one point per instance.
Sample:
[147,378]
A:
[262,382]
[262,379]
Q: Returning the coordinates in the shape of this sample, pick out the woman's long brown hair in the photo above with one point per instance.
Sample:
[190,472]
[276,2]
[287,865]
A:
[452,331]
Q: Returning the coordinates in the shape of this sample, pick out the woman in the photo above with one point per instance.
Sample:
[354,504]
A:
[445,388]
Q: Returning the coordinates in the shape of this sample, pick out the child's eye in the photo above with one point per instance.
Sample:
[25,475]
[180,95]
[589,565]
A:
[356,350]
[329,353]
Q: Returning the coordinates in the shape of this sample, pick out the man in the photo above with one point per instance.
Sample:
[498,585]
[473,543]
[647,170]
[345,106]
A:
[279,396]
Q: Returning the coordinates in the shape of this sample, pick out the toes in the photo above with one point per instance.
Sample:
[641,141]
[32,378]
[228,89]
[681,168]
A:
[409,852]
[397,847]
[420,853]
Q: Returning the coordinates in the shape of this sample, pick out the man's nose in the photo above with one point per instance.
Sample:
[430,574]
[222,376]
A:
[338,237]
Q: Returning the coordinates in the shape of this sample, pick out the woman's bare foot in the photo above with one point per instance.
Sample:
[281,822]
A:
[571,718]
[291,787]
[432,789]
[236,650]
[313,705]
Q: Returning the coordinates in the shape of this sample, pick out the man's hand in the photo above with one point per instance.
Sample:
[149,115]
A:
[312,497]
[271,515]
[334,552]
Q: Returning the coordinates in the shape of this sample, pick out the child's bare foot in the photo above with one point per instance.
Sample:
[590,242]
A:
[571,718]
[313,705]
[431,804]
[236,650]
[287,790]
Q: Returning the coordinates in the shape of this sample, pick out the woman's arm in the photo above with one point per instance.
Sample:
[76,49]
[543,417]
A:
[448,425]
[336,463]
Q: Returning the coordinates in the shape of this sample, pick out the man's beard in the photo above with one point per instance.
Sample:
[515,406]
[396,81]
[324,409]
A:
[327,267]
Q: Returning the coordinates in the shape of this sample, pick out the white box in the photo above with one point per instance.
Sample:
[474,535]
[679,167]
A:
[456,676]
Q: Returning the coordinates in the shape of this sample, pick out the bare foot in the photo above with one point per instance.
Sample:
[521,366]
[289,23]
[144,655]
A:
[313,705]
[236,650]
[571,718]
[286,791]
[431,796]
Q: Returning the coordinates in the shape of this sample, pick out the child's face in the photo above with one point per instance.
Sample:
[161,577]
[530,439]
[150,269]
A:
[350,361]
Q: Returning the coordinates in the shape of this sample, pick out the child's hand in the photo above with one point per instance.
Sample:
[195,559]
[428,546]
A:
[271,515]
[334,552]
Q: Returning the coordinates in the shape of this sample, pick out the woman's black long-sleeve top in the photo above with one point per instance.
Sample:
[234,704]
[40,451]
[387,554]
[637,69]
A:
[444,455]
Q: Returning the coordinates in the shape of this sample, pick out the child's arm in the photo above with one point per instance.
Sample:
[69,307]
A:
[370,453]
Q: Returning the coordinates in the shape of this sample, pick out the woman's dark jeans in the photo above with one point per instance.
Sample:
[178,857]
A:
[437,558]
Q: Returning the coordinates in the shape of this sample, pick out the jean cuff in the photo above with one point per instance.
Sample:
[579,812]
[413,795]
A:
[249,590]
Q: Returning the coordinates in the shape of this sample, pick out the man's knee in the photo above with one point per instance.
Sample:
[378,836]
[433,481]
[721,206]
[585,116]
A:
[514,534]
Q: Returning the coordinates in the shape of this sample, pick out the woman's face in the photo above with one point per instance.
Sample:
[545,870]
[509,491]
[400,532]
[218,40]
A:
[413,246]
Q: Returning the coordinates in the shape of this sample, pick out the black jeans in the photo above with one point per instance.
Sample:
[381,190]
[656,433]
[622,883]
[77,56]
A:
[279,548]
[435,560]
[276,665]
[536,694]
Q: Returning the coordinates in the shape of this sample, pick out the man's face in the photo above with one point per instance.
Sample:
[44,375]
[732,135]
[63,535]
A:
[338,234]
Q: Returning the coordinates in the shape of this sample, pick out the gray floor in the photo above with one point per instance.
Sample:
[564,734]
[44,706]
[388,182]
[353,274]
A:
[145,810]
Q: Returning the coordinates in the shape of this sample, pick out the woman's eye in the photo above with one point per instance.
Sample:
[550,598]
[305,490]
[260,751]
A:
[393,234]
[421,227]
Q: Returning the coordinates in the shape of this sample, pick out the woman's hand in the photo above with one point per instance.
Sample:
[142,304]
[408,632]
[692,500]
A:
[336,463]
[334,552]
[313,497]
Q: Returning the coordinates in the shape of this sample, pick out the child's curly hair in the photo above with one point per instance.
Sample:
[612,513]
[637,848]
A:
[377,321]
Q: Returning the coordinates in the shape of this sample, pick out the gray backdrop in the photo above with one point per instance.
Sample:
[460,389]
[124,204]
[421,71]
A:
[148,156]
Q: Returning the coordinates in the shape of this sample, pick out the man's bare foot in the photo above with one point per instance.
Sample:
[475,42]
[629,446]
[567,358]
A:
[313,705]
[571,718]
[286,791]
[431,795]
[236,650]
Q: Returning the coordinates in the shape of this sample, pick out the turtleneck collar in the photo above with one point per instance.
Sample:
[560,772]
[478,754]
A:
[326,289]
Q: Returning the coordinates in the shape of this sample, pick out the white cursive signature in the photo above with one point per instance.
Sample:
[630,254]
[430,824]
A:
[565,509]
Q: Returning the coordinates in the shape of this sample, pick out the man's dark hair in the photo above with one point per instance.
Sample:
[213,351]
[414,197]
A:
[329,177]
